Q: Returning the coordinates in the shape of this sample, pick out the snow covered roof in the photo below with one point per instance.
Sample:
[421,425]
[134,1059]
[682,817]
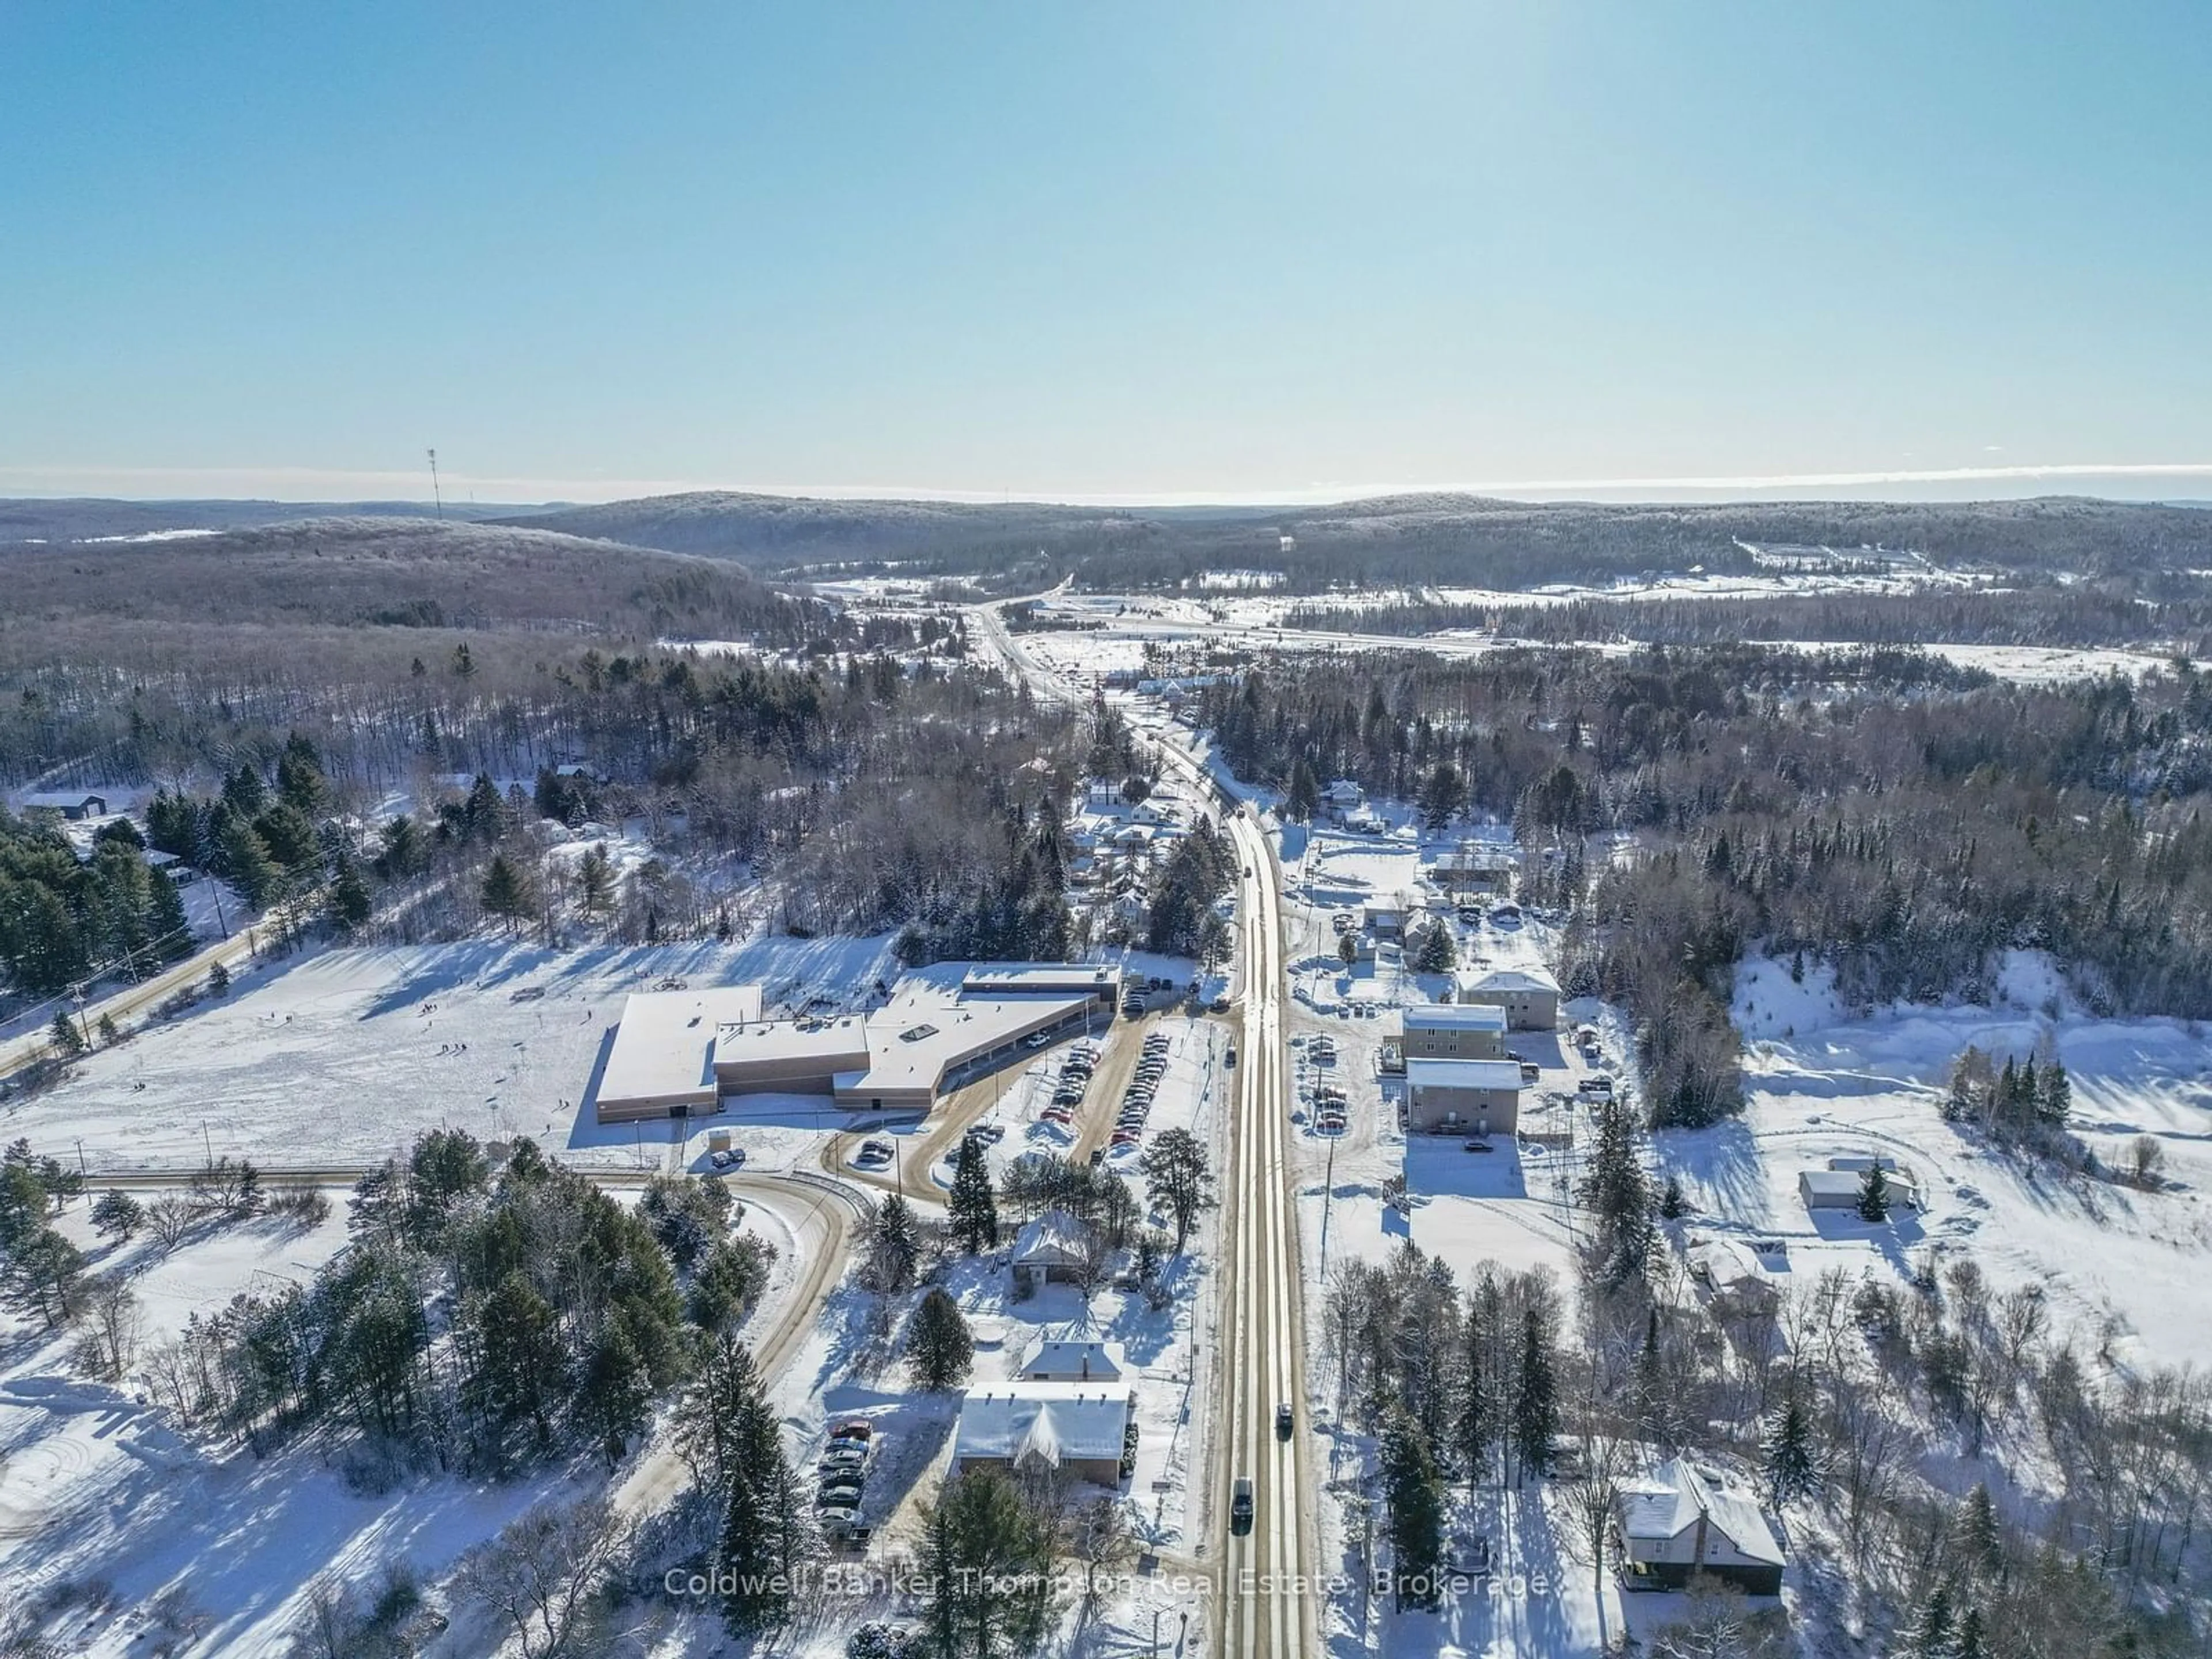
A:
[914,1039]
[1054,1421]
[1669,1502]
[61,800]
[1054,1239]
[1462,1073]
[1094,1362]
[1006,979]
[1511,979]
[1454,1017]
[664,1048]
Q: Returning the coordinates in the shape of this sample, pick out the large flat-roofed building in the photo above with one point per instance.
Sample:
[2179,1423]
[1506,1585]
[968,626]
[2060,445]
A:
[1453,1030]
[790,1056]
[1462,1097]
[994,979]
[662,1063]
[680,1054]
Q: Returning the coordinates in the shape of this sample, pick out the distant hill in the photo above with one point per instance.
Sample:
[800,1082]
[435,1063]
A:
[90,518]
[789,533]
[392,572]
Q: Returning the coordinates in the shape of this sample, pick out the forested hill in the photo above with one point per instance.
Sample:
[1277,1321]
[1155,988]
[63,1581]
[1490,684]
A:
[392,572]
[793,534]
[1400,541]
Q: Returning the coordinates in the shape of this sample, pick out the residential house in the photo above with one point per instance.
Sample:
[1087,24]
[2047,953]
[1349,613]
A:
[1688,1519]
[1462,1097]
[1453,1030]
[1056,1360]
[1076,1429]
[1051,1250]
[1841,1189]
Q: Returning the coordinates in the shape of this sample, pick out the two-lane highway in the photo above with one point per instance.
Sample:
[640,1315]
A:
[1266,1602]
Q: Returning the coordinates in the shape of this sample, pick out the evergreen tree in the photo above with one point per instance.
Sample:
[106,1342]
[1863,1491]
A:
[1444,794]
[972,1207]
[1413,1497]
[986,1559]
[2055,1101]
[299,776]
[1302,798]
[218,980]
[1535,1412]
[939,1348]
[517,1362]
[1792,1469]
[109,1033]
[614,1397]
[246,864]
[505,893]
[1435,952]
[1619,1192]
[169,931]
[1673,1205]
[1474,1424]
[63,1035]
[116,1214]
[893,1249]
[595,879]
[349,905]
[1932,1631]
[1874,1195]
[1981,1535]
[1971,1642]
[1178,1180]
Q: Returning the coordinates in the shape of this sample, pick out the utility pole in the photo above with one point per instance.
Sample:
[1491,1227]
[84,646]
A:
[207,1142]
[436,495]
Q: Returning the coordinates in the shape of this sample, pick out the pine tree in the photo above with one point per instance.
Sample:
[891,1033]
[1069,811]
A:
[1970,1642]
[169,931]
[614,1397]
[595,879]
[1413,1497]
[1981,1535]
[1178,1180]
[218,981]
[2054,1104]
[116,1212]
[1932,1631]
[63,1035]
[1620,1192]
[1536,1394]
[349,905]
[1874,1195]
[246,864]
[893,1249]
[939,1348]
[1302,798]
[1435,953]
[1673,1205]
[1475,1424]
[109,1034]
[1792,1467]
[505,892]
[972,1207]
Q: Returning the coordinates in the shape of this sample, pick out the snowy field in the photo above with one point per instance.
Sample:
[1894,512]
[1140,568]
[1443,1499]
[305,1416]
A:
[2123,1267]
[1150,633]
[335,1058]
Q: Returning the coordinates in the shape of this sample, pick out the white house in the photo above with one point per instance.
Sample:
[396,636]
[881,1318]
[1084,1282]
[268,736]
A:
[1056,1360]
[1343,796]
[1688,1519]
[1841,1189]
[1050,1250]
[1079,1429]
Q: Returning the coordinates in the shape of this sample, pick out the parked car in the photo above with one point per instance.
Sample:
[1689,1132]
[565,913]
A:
[1595,1085]
[1476,1147]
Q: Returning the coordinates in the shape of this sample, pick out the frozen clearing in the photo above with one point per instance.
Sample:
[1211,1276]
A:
[336,1058]
[2123,1267]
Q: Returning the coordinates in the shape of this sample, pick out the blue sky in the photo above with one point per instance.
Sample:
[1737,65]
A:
[1081,248]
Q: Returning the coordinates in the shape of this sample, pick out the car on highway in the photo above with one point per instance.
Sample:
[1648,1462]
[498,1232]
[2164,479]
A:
[1283,1420]
[1240,1505]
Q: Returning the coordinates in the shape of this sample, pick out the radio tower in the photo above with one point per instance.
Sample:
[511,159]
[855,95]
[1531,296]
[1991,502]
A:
[435,493]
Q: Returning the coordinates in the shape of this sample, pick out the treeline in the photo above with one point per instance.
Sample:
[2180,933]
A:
[63,923]
[2112,613]
[1880,813]
[486,1315]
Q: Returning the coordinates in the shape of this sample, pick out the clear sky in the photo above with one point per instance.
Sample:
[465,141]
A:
[1072,248]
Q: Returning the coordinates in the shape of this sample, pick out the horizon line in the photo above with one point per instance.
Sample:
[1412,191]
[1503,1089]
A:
[362,485]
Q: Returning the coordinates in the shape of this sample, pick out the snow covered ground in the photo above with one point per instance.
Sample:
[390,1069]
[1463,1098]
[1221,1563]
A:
[2121,1266]
[338,1057]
